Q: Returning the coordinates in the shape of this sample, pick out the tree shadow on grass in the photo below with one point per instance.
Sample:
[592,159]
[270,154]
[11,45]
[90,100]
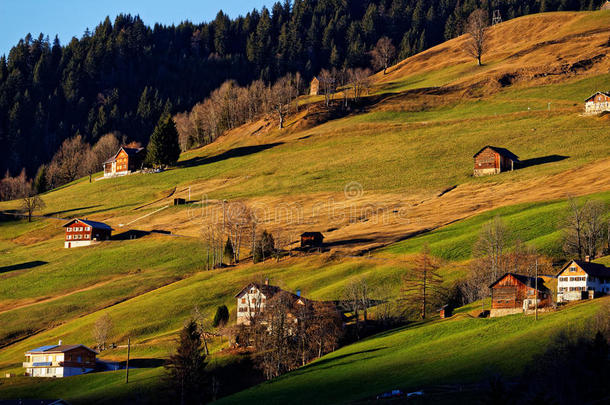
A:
[22,266]
[325,364]
[232,153]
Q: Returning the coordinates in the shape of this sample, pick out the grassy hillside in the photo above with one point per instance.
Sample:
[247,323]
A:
[406,154]
[453,351]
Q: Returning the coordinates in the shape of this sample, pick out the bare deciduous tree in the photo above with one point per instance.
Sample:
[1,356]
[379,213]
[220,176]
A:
[585,228]
[360,81]
[102,329]
[490,246]
[423,283]
[67,163]
[31,202]
[383,54]
[476,27]
[281,95]
[328,84]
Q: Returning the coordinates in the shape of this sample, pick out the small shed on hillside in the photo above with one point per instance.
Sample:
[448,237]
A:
[312,239]
[314,87]
[446,311]
[494,160]
[605,6]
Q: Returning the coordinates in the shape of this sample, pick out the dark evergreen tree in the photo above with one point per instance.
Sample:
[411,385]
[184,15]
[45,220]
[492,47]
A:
[163,148]
[221,317]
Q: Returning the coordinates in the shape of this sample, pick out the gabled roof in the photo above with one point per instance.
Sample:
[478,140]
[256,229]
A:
[267,290]
[312,234]
[92,224]
[592,269]
[502,151]
[129,151]
[526,280]
[605,93]
[58,349]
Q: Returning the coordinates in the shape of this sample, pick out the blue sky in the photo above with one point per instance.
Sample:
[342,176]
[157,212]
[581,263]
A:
[69,18]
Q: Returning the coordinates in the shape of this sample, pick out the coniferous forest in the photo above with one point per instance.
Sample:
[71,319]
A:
[123,75]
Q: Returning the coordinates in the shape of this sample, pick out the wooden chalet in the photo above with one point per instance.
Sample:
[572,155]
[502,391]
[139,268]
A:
[597,103]
[83,232]
[494,160]
[312,239]
[59,360]
[605,6]
[125,161]
[514,293]
[314,87]
[581,279]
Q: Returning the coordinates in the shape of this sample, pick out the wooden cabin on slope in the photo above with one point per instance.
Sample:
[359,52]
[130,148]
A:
[597,103]
[605,6]
[494,160]
[514,293]
[312,239]
[580,279]
[59,361]
[125,161]
[83,232]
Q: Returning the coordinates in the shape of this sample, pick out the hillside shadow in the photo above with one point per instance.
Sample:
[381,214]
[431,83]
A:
[22,266]
[130,234]
[345,242]
[232,153]
[143,363]
[541,160]
[324,364]
[56,213]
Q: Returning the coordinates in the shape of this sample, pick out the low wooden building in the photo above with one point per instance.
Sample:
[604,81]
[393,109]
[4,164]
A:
[514,293]
[125,161]
[312,239]
[605,6]
[494,160]
[314,87]
[597,103]
[446,311]
[83,232]
[580,279]
[59,361]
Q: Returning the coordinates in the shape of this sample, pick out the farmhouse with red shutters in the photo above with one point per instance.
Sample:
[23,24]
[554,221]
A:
[494,160]
[82,232]
[597,103]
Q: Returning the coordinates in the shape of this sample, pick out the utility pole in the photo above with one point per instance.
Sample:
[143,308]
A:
[536,300]
[127,365]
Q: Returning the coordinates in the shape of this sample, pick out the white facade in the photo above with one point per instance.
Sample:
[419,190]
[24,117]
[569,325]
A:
[249,304]
[77,243]
[49,365]
[574,283]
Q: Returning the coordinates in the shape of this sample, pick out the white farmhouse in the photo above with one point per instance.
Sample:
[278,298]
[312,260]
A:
[252,300]
[577,279]
[59,361]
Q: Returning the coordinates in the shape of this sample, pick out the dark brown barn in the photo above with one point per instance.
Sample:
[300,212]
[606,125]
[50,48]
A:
[514,293]
[493,160]
[312,239]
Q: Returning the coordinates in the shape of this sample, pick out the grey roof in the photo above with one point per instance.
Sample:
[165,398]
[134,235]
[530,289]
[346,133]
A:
[267,290]
[527,280]
[592,269]
[605,93]
[92,224]
[502,151]
[58,349]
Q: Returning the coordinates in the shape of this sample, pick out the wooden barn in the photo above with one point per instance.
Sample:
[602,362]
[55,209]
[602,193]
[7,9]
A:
[597,103]
[125,161]
[446,311]
[514,293]
[82,232]
[494,160]
[312,239]
[605,6]
[314,87]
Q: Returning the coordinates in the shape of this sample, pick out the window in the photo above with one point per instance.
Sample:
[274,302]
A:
[68,237]
[573,268]
[86,236]
[88,228]
[243,300]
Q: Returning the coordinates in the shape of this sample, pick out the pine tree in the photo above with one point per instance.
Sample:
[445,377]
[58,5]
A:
[40,181]
[186,367]
[163,148]
[221,317]
[229,253]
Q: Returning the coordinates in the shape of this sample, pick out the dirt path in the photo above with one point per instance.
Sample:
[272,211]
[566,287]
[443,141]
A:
[11,306]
